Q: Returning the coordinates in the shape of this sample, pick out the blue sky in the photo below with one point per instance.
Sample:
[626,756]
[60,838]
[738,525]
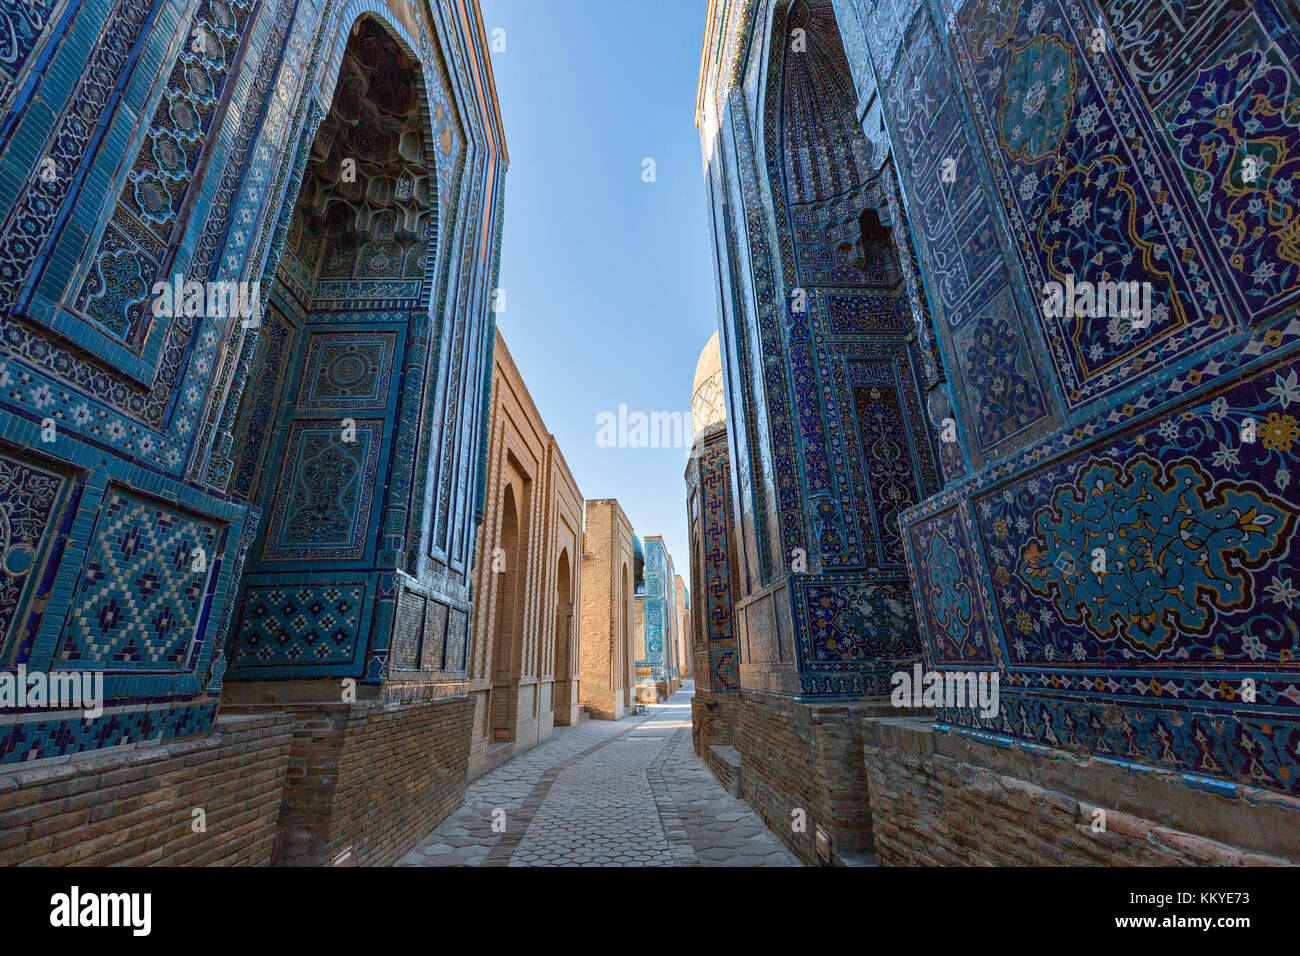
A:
[608,280]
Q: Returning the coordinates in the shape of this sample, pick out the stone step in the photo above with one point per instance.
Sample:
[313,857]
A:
[724,762]
[856,858]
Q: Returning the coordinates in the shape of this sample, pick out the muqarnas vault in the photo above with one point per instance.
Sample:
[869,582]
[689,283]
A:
[281,503]
[925,462]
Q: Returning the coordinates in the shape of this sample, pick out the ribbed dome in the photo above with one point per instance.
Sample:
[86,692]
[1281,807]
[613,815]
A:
[825,150]
[707,402]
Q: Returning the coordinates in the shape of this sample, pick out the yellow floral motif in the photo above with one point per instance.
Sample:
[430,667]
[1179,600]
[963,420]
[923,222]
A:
[1000,527]
[1279,432]
[1024,622]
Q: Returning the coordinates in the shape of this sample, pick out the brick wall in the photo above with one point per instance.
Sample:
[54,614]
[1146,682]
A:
[945,799]
[135,806]
[524,654]
[606,652]
[842,778]
[777,771]
[714,719]
[805,756]
[367,780]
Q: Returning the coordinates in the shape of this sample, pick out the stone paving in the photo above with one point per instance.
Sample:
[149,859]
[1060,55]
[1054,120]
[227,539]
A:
[605,793]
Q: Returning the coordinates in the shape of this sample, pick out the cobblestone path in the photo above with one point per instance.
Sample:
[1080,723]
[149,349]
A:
[605,793]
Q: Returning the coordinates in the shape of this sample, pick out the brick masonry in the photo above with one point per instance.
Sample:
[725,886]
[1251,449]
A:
[134,806]
[607,652]
[799,756]
[946,799]
[523,662]
[713,721]
[685,638]
[367,780]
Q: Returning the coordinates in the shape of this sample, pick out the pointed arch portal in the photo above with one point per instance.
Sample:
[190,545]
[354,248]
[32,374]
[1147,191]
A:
[340,351]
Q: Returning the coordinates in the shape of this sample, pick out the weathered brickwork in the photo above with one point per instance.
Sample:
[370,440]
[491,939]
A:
[367,780]
[798,756]
[940,799]
[714,722]
[685,648]
[523,662]
[135,806]
[607,651]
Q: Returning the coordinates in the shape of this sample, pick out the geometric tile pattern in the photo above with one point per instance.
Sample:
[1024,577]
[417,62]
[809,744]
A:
[408,631]
[983,327]
[1197,529]
[853,634]
[1240,108]
[434,652]
[1075,163]
[865,453]
[260,402]
[1198,533]
[953,608]
[173,133]
[1189,543]
[725,667]
[38,739]
[21,24]
[857,450]
[888,462]
[457,641]
[660,614]
[300,624]
[343,494]
[141,593]
[712,557]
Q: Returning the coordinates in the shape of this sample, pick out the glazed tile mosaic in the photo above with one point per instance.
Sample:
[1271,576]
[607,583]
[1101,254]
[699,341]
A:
[1103,510]
[229,496]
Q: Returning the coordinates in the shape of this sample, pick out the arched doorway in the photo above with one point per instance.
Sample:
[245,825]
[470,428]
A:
[507,640]
[839,252]
[564,652]
[339,349]
[864,449]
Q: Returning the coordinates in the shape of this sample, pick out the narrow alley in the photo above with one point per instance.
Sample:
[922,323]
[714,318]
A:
[624,793]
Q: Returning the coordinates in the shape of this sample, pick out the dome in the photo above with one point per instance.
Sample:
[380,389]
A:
[638,566]
[707,403]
